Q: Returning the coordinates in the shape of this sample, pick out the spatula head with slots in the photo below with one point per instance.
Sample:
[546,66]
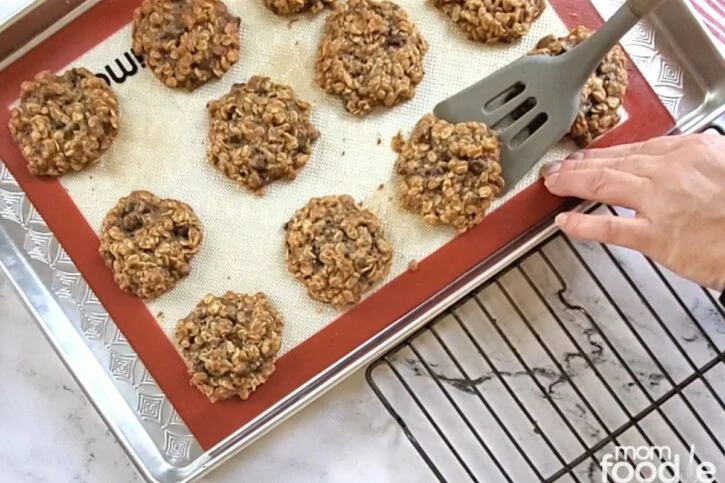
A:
[530,113]
[532,102]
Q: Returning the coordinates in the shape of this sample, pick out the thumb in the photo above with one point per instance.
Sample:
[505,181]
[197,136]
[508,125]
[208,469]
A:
[631,233]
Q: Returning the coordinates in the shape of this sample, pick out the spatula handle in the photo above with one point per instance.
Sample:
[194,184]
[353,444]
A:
[586,57]
[642,8]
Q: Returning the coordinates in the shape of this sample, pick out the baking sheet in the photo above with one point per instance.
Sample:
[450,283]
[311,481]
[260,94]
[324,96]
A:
[162,145]
[137,358]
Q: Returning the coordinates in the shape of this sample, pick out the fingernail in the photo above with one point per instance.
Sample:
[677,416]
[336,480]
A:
[560,219]
[576,155]
[550,168]
[550,179]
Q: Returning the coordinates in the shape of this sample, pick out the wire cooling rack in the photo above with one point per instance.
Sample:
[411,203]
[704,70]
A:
[576,357]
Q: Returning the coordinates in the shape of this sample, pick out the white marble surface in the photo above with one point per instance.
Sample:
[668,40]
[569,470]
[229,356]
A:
[50,433]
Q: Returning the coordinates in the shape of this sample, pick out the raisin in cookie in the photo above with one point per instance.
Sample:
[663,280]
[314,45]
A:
[186,42]
[148,243]
[64,122]
[291,7]
[260,132]
[603,93]
[371,54]
[230,344]
[449,173]
[492,21]
[337,249]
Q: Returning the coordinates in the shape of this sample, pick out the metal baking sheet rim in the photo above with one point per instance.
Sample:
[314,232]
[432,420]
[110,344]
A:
[122,420]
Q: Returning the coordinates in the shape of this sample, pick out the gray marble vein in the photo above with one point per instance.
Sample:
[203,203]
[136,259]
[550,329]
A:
[572,345]
[50,433]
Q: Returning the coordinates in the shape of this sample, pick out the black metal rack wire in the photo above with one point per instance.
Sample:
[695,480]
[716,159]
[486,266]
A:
[575,352]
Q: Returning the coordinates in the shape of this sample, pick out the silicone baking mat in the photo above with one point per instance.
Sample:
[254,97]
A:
[161,147]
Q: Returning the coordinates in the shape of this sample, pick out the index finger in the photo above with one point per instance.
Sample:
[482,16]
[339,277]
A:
[638,165]
[653,147]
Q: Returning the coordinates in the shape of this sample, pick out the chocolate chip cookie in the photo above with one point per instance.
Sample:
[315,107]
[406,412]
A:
[603,93]
[492,21]
[371,54]
[148,243]
[260,132]
[337,249]
[230,344]
[449,173]
[186,43]
[292,7]
[64,122]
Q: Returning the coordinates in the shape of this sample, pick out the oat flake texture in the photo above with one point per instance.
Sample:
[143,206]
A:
[230,344]
[65,122]
[371,55]
[148,243]
[291,7]
[492,21]
[337,249]
[186,42]
[260,132]
[162,145]
[449,173]
[603,94]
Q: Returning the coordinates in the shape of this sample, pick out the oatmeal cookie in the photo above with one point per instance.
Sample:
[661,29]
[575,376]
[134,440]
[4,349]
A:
[371,54]
[260,132]
[148,243]
[186,42]
[291,7]
[337,249]
[449,173]
[64,122]
[230,344]
[603,93]
[492,21]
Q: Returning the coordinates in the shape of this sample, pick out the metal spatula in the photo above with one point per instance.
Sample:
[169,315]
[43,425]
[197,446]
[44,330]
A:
[532,102]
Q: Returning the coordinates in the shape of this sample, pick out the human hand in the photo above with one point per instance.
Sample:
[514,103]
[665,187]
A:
[676,187]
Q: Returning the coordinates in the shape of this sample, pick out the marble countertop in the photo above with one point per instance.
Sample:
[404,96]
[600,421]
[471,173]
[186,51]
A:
[52,434]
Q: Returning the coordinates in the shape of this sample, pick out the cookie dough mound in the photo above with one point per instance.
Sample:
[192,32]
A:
[260,132]
[449,173]
[230,344]
[148,243]
[492,21]
[337,249]
[64,122]
[291,7]
[603,93]
[186,42]
[371,54]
